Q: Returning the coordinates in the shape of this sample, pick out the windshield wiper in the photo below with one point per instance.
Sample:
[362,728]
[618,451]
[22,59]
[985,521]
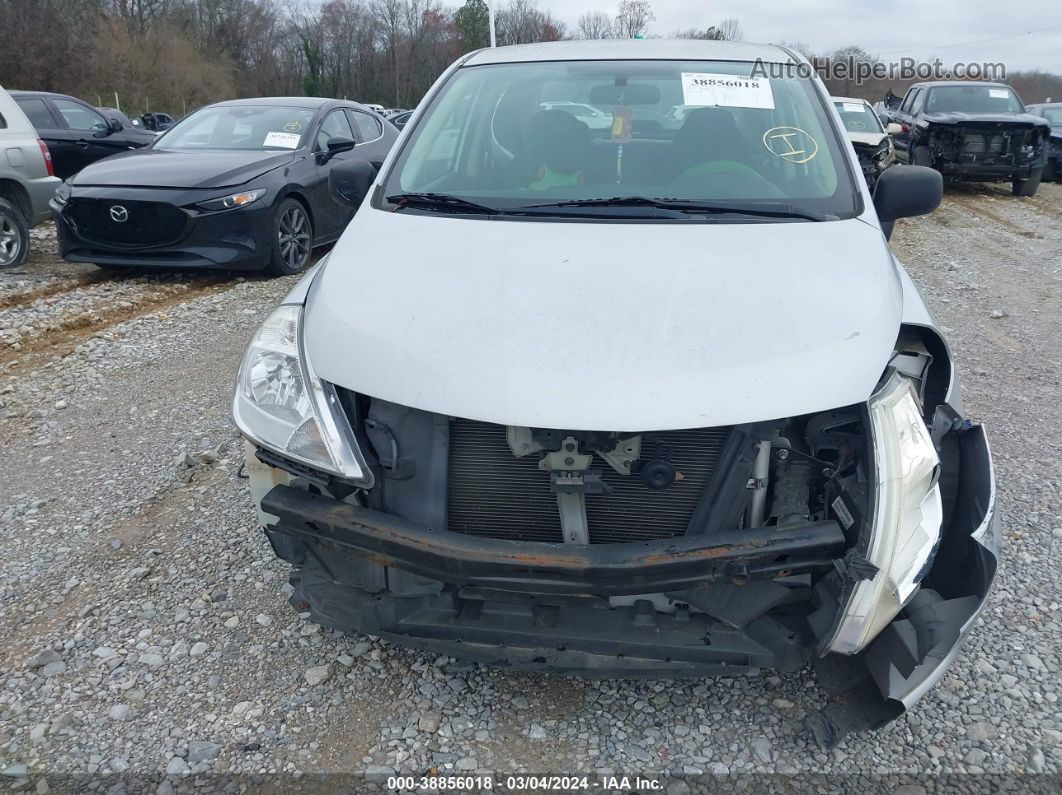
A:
[440,201]
[689,206]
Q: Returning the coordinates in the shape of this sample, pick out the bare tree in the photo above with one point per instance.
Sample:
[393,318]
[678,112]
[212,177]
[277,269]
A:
[521,22]
[633,18]
[595,25]
[730,30]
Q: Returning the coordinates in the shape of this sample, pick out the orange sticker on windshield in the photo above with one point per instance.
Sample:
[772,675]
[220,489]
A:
[791,144]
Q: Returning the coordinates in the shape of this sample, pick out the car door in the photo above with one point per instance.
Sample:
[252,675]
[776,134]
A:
[65,154]
[331,216]
[89,131]
[905,118]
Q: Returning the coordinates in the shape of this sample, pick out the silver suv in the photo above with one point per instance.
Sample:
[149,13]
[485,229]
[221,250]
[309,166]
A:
[26,182]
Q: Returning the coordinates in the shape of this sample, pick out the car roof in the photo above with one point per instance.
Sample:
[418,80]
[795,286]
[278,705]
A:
[17,93]
[307,102]
[632,49]
[849,99]
[1044,105]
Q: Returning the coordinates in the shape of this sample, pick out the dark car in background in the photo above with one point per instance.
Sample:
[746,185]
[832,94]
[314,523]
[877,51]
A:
[1052,111]
[238,185]
[972,130]
[75,132]
[157,122]
[399,119]
[127,121]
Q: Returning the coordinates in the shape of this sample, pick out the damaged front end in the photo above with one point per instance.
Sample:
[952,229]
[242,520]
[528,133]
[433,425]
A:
[874,159]
[985,150]
[862,539]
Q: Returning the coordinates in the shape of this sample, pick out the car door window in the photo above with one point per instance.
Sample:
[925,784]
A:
[369,127]
[335,125]
[80,117]
[916,106]
[38,114]
[908,101]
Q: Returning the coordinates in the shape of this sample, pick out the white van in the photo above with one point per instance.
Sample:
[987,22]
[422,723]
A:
[654,399]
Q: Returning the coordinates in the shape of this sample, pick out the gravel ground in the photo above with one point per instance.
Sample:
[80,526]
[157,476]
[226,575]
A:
[144,627]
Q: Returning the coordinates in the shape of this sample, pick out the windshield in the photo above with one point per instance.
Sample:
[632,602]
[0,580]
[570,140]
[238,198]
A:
[517,135]
[1054,116]
[973,99]
[857,117]
[255,127]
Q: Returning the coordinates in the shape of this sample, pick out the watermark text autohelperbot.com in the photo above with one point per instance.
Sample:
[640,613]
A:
[862,71]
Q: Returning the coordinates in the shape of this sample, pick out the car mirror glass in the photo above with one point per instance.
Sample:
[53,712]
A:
[339,143]
[349,180]
[906,191]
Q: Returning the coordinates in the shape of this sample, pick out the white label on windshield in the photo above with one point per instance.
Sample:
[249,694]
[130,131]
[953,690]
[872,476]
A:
[729,91]
[286,140]
[852,107]
[999,93]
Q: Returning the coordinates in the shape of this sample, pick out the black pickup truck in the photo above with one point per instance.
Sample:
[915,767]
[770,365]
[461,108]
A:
[972,130]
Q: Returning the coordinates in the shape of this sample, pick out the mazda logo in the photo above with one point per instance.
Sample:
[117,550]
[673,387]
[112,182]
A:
[119,214]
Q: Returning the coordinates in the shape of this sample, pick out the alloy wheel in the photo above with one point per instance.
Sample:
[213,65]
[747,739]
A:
[10,241]
[294,237]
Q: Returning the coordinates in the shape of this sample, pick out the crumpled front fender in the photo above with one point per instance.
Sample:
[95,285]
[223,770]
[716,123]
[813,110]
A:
[913,653]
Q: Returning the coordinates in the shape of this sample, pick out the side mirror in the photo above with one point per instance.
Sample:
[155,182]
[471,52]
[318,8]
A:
[339,144]
[349,180]
[114,125]
[905,191]
[892,128]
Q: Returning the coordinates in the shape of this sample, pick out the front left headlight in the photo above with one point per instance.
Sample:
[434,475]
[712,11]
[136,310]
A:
[241,199]
[281,405]
[905,520]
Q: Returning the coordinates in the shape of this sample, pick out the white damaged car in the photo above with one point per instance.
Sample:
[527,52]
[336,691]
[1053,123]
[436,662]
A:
[651,399]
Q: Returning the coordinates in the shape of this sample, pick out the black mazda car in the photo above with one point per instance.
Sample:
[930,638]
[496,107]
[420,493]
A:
[238,185]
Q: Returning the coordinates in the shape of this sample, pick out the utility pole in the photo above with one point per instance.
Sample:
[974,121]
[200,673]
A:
[490,19]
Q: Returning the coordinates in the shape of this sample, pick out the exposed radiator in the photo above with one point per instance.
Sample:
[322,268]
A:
[494,494]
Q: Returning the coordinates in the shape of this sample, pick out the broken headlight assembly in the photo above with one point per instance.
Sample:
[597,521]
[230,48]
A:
[282,406]
[905,520]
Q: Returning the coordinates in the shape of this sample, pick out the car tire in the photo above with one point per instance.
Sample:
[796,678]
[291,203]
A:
[921,157]
[1051,173]
[1027,187]
[292,239]
[14,236]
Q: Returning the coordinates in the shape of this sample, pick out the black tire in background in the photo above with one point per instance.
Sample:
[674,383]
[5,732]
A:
[292,239]
[1051,172]
[14,236]
[1027,187]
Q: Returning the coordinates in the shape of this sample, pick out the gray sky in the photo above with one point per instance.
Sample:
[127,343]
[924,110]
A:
[915,27]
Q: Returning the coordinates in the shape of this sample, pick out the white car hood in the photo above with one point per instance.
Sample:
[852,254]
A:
[605,326]
[871,138]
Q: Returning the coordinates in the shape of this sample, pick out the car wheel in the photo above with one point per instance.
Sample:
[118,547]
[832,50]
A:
[921,157]
[1027,187]
[14,236]
[292,239]
[1050,171]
